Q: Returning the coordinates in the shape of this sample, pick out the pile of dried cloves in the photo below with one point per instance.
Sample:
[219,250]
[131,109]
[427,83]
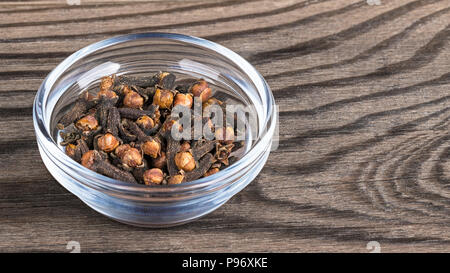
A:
[124,131]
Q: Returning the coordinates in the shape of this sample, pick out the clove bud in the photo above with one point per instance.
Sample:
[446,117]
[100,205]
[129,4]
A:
[154,176]
[185,100]
[133,100]
[201,89]
[151,148]
[185,161]
[176,179]
[128,155]
[163,98]
[107,143]
[87,123]
[160,161]
[94,161]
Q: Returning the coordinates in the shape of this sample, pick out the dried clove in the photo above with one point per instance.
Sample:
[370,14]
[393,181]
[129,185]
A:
[160,161]
[134,114]
[185,100]
[129,156]
[143,82]
[201,89]
[211,171]
[176,179]
[146,93]
[82,104]
[125,131]
[184,85]
[87,123]
[147,125]
[106,83]
[163,98]
[138,172]
[80,150]
[77,151]
[94,161]
[153,176]
[225,135]
[223,152]
[201,147]
[166,80]
[185,161]
[70,135]
[203,166]
[173,147]
[113,122]
[125,134]
[104,105]
[107,142]
[133,100]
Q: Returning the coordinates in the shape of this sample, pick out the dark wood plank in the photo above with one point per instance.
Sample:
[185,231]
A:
[364,101]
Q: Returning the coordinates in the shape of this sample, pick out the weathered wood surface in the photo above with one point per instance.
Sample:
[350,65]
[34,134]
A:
[363,92]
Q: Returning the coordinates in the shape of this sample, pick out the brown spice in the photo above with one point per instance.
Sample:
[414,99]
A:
[211,171]
[87,123]
[124,132]
[107,143]
[203,166]
[107,93]
[225,135]
[133,100]
[163,98]
[160,161]
[70,150]
[82,104]
[129,156]
[201,89]
[145,122]
[185,161]
[185,100]
[153,176]
[106,84]
[176,179]
[151,148]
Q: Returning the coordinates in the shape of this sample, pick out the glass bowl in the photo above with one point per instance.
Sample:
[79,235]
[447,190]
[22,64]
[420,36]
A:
[137,54]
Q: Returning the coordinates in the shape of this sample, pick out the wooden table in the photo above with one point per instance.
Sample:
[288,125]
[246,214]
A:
[363,91]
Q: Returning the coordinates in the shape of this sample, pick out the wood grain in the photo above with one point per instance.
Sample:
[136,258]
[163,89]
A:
[364,101]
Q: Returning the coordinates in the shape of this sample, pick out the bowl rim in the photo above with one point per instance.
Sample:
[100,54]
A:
[43,136]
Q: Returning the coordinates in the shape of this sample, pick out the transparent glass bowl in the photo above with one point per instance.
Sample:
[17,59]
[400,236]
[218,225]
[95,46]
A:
[138,54]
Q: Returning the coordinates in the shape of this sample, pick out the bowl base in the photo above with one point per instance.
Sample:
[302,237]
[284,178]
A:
[157,225]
